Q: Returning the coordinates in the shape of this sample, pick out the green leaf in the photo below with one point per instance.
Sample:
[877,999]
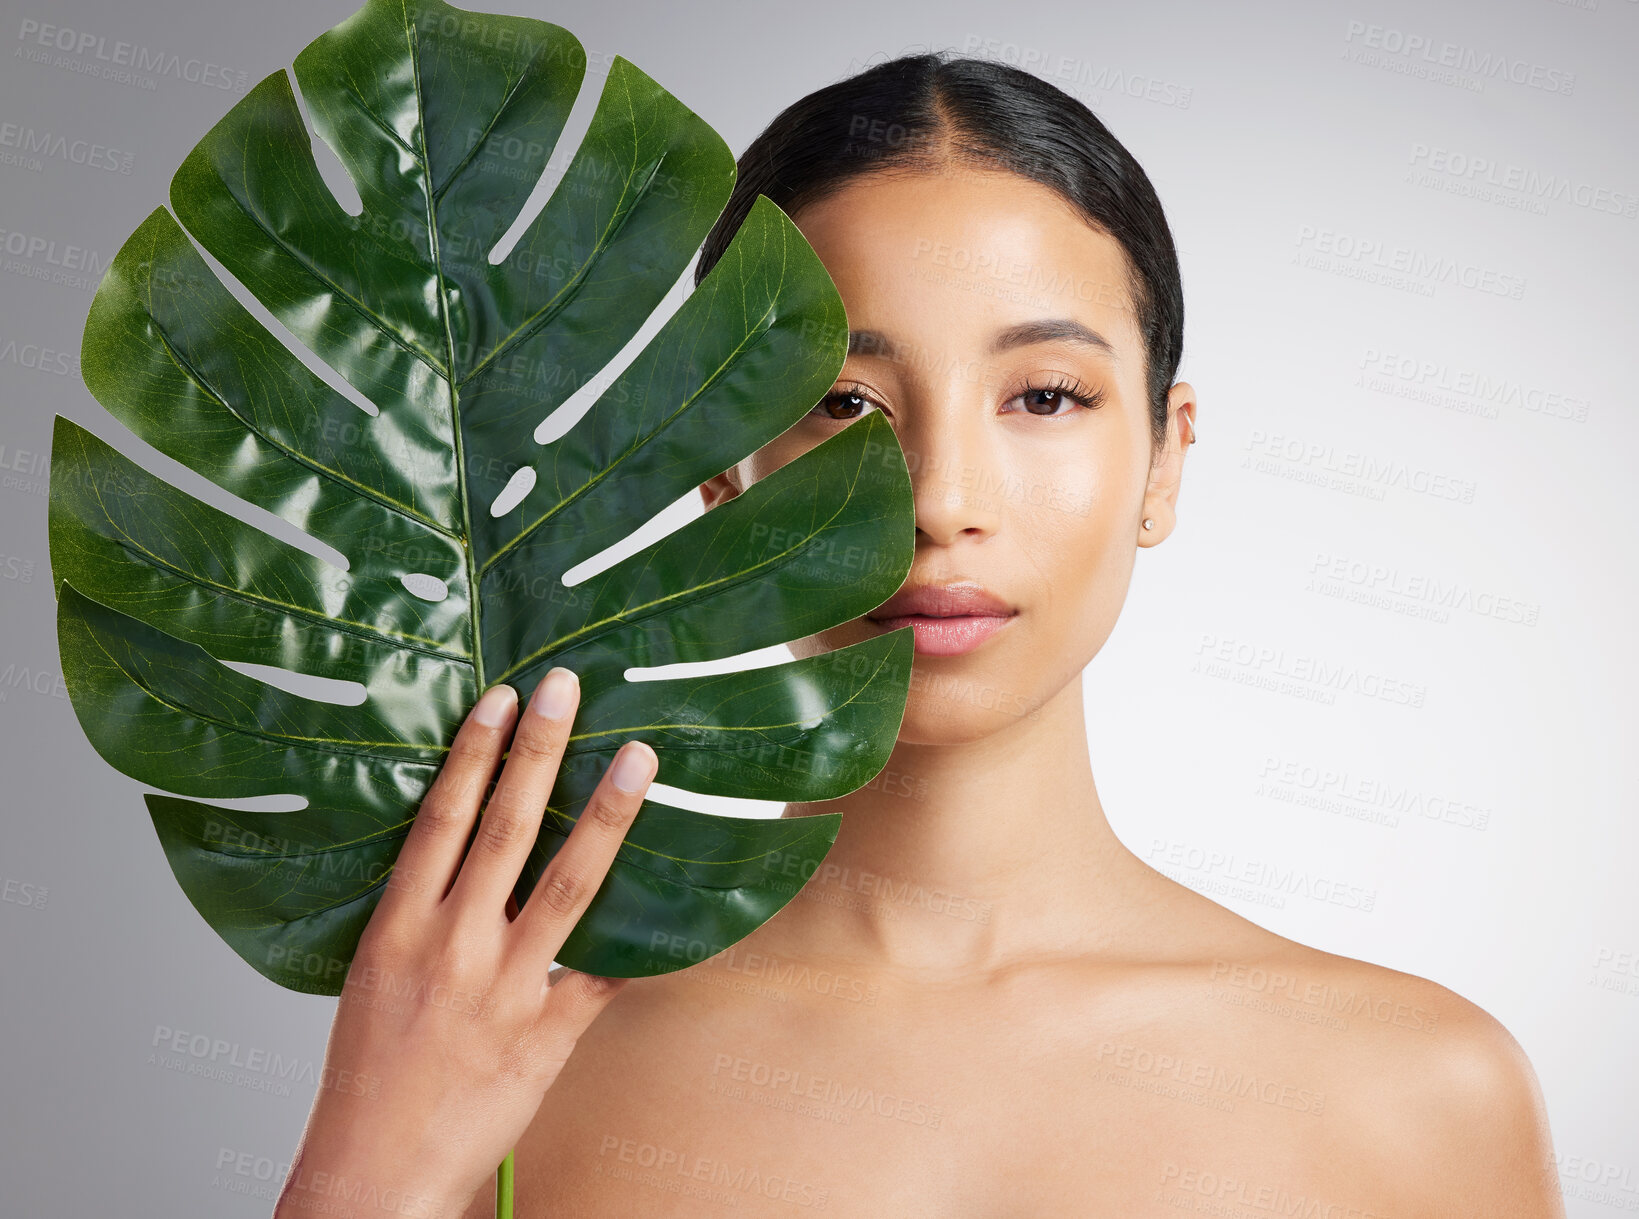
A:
[445,119]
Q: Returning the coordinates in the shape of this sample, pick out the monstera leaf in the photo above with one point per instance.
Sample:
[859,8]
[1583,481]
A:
[457,505]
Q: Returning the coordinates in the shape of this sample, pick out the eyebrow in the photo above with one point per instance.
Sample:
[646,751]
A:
[1049,330]
[1044,330]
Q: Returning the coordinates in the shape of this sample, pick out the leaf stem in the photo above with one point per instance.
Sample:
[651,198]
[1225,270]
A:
[503,1189]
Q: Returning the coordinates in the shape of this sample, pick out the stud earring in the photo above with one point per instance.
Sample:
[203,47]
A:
[1149,522]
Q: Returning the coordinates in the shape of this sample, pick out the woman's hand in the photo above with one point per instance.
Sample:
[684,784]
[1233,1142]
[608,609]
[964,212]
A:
[446,1035]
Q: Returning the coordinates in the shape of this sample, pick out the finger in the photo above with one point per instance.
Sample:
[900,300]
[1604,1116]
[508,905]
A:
[573,1002]
[512,818]
[438,835]
[571,880]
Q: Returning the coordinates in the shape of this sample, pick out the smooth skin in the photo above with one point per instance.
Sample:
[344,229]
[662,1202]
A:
[985,1005]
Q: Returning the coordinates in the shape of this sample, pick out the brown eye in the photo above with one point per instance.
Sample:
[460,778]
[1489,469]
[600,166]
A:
[842,405]
[1049,399]
[1072,396]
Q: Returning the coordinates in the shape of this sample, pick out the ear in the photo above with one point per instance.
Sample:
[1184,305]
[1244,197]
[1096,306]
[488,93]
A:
[1167,471]
[720,488]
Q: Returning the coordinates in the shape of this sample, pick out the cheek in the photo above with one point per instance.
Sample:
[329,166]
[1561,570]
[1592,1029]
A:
[1069,550]
[1074,530]
[1077,488]
[1081,567]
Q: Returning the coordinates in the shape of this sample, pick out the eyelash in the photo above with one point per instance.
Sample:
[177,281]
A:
[1066,387]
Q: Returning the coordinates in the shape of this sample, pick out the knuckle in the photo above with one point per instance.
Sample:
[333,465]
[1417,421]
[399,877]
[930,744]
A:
[443,798]
[468,758]
[532,749]
[609,813]
[472,749]
[436,817]
[499,833]
[464,783]
[561,891]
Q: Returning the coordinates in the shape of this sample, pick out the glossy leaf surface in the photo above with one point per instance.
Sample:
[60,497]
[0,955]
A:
[444,120]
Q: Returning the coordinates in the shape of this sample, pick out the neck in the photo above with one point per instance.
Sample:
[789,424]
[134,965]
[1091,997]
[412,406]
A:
[965,857]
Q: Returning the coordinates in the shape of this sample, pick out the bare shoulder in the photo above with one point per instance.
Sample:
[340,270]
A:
[1426,1088]
[1456,1104]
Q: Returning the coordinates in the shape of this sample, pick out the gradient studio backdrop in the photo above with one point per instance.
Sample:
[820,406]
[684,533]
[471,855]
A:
[1457,811]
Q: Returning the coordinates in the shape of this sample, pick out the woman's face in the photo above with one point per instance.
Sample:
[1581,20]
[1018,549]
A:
[1029,453]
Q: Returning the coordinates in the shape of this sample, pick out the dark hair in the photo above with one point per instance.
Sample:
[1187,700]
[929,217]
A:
[923,112]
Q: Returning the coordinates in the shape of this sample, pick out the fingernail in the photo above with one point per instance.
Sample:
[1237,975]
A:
[633,768]
[491,710]
[556,696]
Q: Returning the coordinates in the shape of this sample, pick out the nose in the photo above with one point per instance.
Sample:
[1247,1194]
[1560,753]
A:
[955,478]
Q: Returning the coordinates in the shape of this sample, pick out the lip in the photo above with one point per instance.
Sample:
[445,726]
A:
[947,619]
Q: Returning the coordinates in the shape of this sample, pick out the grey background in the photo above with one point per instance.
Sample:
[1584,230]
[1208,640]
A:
[1286,148]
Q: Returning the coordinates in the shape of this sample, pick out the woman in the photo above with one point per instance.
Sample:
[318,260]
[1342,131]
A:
[984,1004]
